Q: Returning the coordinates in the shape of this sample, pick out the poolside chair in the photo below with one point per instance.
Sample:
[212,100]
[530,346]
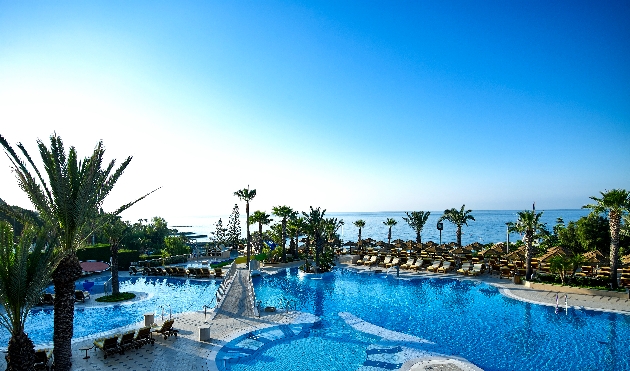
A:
[476,270]
[192,272]
[181,272]
[505,273]
[604,272]
[624,281]
[42,358]
[218,272]
[81,296]
[385,261]
[169,271]
[417,266]
[205,272]
[446,267]
[434,266]
[126,341]
[466,267]
[143,336]
[108,345]
[373,260]
[408,264]
[133,270]
[160,271]
[585,271]
[362,261]
[167,329]
[393,263]
[48,298]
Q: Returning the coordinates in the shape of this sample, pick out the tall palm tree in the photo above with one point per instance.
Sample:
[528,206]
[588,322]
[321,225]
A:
[67,201]
[616,203]
[262,218]
[315,223]
[296,225]
[25,271]
[459,218]
[284,212]
[417,220]
[359,224]
[528,224]
[390,222]
[115,230]
[246,195]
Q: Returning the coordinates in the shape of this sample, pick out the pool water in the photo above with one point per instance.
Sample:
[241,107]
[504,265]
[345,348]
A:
[465,318]
[166,295]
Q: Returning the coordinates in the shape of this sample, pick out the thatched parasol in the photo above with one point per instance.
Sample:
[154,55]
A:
[554,251]
[490,253]
[595,257]
[516,254]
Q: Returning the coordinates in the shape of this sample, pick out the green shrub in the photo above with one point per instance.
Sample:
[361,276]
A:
[101,252]
[114,298]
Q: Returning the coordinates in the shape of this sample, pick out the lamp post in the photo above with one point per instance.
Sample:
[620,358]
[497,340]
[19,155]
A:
[440,226]
[507,234]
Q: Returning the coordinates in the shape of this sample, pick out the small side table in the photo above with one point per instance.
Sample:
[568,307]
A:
[86,351]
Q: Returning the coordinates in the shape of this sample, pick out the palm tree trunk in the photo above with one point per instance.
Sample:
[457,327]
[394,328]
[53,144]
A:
[459,236]
[260,247]
[115,283]
[284,242]
[21,352]
[615,224]
[248,238]
[68,271]
[418,238]
[317,248]
[359,241]
[389,236]
[529,251]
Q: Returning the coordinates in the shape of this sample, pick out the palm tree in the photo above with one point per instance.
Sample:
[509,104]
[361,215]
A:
[459,218]
[262,218]
[296,225]
[67,202]
[25,271]
[528,224]
[359,224]
[284,212]
[246,195]
[417,220]
[115,230]
[616,203]
[315,223]
[390,222]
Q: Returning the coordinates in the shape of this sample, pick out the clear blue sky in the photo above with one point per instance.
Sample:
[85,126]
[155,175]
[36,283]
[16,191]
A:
[352,106]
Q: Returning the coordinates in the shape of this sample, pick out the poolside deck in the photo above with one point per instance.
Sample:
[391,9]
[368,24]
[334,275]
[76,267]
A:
[187,353]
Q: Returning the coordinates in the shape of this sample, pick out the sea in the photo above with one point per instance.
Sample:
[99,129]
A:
[489,226]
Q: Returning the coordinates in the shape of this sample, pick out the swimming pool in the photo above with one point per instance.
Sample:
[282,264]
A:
[165,295]
[464,318]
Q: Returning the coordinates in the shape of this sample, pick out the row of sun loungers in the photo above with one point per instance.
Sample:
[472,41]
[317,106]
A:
[178,272]
[119,343]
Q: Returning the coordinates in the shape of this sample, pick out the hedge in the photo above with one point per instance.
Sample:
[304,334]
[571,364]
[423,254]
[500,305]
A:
[101,252]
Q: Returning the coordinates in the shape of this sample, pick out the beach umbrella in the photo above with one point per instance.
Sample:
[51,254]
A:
[490,253]
[554,251]
[595,257]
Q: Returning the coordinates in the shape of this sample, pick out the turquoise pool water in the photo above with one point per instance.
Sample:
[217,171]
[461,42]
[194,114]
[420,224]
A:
[167,295]
[464,318]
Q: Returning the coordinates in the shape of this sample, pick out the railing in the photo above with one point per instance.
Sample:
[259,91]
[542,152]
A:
[224,287]
[251,295]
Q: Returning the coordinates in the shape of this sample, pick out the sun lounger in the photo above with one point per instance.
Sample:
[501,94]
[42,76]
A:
[108,345]
[408,264]
[42,358]
[505,273]
[385,261]
[205,273]
[180,272]
[446,267]
[624,281]
[373,260]
[143,336]
[126,341]
[167,329]
[48,298]
[585,271]
[81,296]
[465,268]
[133,270]
[476,270]
[393,263]
[417,266]
[218,272]
[604,272]
[362,261]
[436,264]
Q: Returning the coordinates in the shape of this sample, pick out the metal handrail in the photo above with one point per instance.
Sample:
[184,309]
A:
[107,286]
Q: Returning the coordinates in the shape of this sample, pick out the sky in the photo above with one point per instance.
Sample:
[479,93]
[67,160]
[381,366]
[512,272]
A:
[347,105]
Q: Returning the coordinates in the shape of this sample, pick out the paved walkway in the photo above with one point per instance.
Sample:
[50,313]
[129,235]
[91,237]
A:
[235,303]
